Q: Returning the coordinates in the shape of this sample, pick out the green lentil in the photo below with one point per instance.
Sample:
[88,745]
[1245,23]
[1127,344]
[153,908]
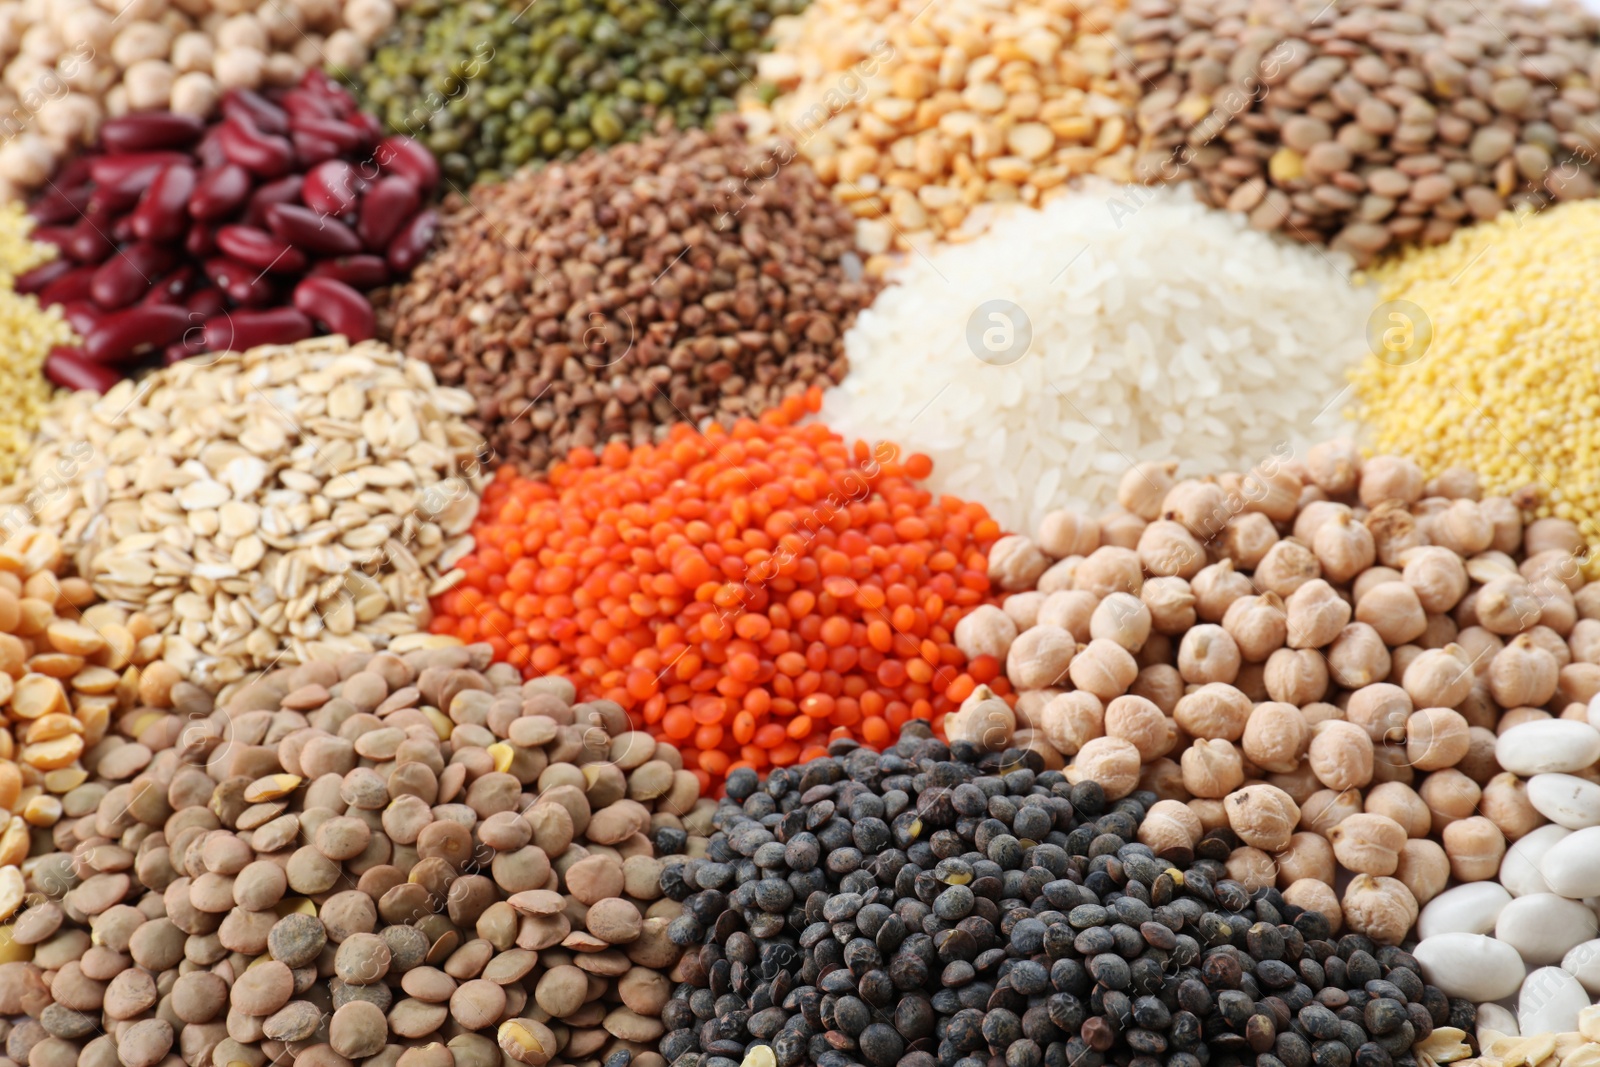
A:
[490,85]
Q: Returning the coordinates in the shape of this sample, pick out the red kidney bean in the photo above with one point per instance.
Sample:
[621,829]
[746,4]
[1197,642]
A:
[337,306]
[303,103]
[347,137]
[358,272]
[366,121]
[255,111]
[132,167]
[148,132]
[162,214]
[309,150]
[266,197]
[89,243]
[128,275]
[206,303]
[73,173]
[317,81]
[200,241]
[259,249]
[35,280]
[69,368]
[175,287]
[218,193]
[73,285]
[208,153]
[244,285]
[387,207]
[114,201]
[131,333]
[403,156]
[53,235]
[122,229]
[316,233]
[240,330]
[331,188]
[61,204]
[264,154]
[413,242]
[82,316]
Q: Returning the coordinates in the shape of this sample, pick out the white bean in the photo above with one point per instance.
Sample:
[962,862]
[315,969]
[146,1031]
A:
[1549,1002]
[1548,745]
[1572,866]
[1566,799]
[1467,909]
[1543,927]
[1519,871]
[1583,963]
[1471,965]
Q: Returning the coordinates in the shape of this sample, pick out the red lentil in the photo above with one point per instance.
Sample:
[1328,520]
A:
[748,593]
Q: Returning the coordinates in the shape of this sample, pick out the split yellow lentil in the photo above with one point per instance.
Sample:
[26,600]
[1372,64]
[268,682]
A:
[27,334]
[1509,384]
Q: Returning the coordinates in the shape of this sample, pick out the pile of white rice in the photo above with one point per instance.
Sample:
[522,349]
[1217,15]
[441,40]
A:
[1161,330]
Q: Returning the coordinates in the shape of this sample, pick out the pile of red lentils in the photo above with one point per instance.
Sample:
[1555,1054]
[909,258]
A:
[748,593]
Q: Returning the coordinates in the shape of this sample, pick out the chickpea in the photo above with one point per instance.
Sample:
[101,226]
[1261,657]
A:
[1252,682]
[1441,631]
[1163,778]
[1023,609]
[242,68]
[1436,738]
[1368,844]
[1301,783]
[1108,570]
[1393,610]
[1424,868]
[1251,868]
[1122,618]
[984,720]
[1319,711]
[193,51]
[1071,720]
[1358,656]
[1208,653]
[1386,478]
[1144,486]
[1070,609]
[1120,529]
[1034,741]
[1318,896]
[1138,721]
[149,84]
[1400,802]
[1015,562]
[1201,507]
[1263,816]
[1110,761]
[1170,827]
[1369,579]
[1553,643]
[140,41]
[1308,855]
[985,631]
[1312,516]
[1475,847]
[1162,685]
[1335,467]
[1296,676]
[1171,605]
[1559,610]
[1040,657]
[1584,640]
[1462,528]
[1506,520]
[1395,531]
[1587,600]
[1211,769]
[283,23]
[1439,677]
[1479,763]
[1545,535]
[346,50]
[1247,539]
[1507,606]
[1505,803]
[1314,615]
[1275,736]
[1340,755]
[1400,658]
[1286,567]
[1158,651]
[1343,547]
[1381,710]
[1059,575]
[1380,907]
[1166,549]
[1067,533]
[1214,710]
[1103,668]
[1523,674]
[1029,708]
[1211,813]
[1389,764]
[1257,624]
[1325,809]
[1218,586]
[1578,683]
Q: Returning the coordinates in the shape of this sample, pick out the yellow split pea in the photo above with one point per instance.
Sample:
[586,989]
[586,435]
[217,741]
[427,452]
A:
[1510,383]
[27,333]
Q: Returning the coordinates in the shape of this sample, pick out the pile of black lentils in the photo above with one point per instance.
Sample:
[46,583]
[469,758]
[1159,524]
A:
[928,907]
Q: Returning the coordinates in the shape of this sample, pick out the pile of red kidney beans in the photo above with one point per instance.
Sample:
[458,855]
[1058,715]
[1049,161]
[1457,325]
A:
[266,227]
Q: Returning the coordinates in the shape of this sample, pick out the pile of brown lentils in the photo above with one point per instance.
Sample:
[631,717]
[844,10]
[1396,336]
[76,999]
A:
[1371,123]
[687,277]
[304,870]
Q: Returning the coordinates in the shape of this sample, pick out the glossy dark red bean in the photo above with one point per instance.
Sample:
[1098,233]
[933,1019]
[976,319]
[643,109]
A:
[309,150]
[385,210]
[358,272]
[304,228]
[317,81]
[367,121]
[413,242]
[35,280]
[208,153]
[259,249]
[89,243]
[73,285]
[236,331]
[132,332]
[201,240]
[254,110]
[337,306]
[61,204]
[163,211]
[331,188]
[53,235]
[285,190]
[113,201]
[219,193]
[263,154]
[175,287]
[243,284]
[136,167]
[122,230]
[150,131]
[128,275]
[303,103]
[206,303]
[349,138]
[403,156]
[73,173]
[82,316]
[69,368]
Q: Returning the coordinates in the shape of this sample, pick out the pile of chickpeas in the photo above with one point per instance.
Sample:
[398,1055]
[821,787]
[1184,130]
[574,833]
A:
[1317,655]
